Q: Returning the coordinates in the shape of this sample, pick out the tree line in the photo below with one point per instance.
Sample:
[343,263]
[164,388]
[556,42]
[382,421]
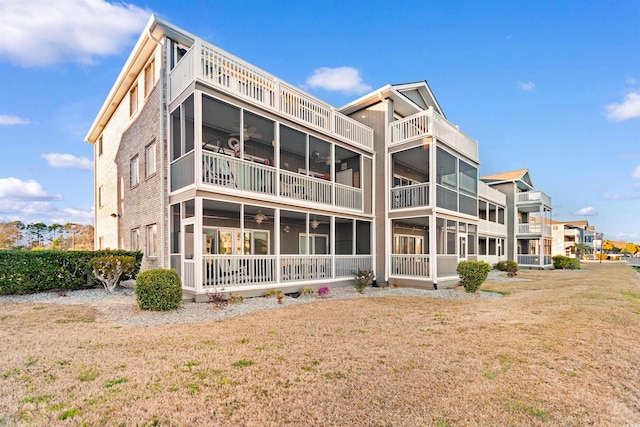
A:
[38,236]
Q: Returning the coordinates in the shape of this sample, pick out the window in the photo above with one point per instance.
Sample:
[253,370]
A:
[133,100]
[318,243]
[407,245]
[100,242]
[468,179]
[446,169]
[149,78]
[134,172]
[135,239]
[451,237]
[100,196]
[152,237]
[150,160]
[99,146]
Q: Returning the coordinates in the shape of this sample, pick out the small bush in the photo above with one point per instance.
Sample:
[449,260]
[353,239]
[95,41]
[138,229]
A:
[323,291]
[565,263]
[158,290]
[236,299]
[511,267]
[273,293]
[110,269]
[363,279]
[500,266]
[218,298]
[307,291]
[472,274]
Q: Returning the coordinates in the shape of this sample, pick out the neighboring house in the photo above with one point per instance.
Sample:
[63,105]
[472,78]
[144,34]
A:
[528,214]
[567,235]
[239,180]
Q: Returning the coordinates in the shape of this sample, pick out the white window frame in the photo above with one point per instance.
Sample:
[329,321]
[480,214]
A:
[308,241]
[418,244]
[152,241]
[134,171]
[133,100]
[135,239]
[149,78]
[101,196]
[150,160]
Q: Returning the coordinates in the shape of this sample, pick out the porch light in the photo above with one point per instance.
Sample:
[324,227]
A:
[260,217]
[315,223]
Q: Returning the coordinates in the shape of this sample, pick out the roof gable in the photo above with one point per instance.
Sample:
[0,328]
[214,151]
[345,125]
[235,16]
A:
[519,177]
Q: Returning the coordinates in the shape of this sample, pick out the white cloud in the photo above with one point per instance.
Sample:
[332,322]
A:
[588,211]
[636,172]
[340,79]
[528,86]
[38,211]
[43,32]
[11,120]
[14,189]
[67,161]
[629,108]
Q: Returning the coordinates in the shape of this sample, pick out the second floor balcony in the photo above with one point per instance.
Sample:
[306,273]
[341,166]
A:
[528,198]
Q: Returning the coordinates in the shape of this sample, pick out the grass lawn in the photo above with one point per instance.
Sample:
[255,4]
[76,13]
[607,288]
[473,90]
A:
[561,349]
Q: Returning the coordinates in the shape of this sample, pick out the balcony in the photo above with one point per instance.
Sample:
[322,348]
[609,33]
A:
[431,124]
[534,229]
[221,170]
[492,228]
[410,196]
[216,68]
[532,198]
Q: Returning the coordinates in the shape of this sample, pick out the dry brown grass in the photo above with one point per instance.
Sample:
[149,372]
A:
[559,350]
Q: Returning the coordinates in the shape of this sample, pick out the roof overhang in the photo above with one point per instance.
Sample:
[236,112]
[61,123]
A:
[401,103]
[156,28]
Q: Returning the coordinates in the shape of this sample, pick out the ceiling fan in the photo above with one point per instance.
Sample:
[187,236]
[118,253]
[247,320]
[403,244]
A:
[247,133]
[316,157]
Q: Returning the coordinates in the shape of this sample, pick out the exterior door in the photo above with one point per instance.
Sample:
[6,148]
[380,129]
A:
[462,247]
[188,252]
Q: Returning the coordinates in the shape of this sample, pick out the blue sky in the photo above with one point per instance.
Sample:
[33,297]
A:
[553,86]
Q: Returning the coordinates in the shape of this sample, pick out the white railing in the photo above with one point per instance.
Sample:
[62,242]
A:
[348,197]
[410,196]
[447,265]
[348,265]
[530,197]
[529,260]
[534,228]
[431,123]
[635,261]
[244,80]
[410,265]
[411,127]
[189,279]
[227,171]
[302,187]
[305,267]
[452,136]
[183,171]
[491,194]
[182,74]
[493,228]
[238,270]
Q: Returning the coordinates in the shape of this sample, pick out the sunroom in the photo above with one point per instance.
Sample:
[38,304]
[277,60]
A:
[241,246]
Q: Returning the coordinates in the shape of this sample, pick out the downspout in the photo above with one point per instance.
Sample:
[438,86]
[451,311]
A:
[162,149]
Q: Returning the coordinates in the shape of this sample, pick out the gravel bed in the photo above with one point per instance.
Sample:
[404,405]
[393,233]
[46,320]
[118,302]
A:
[121,308]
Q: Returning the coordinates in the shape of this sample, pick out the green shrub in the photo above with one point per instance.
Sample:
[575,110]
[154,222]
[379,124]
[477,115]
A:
[565,263]
[511,267]
[363,279]
[159,290]
[272,293]
[500,266]
[109,270]
[472,274]
[40,271]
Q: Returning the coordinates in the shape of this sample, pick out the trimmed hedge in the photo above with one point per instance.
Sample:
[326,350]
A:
[159,289]
[38,271]
[565,263]
[473,274]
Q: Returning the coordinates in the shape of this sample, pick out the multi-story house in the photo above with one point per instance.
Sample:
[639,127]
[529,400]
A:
[568,235]
[237,179]
[528,221]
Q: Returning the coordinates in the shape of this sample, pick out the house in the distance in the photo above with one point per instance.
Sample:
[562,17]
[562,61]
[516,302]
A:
[528,213]
[237,179]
